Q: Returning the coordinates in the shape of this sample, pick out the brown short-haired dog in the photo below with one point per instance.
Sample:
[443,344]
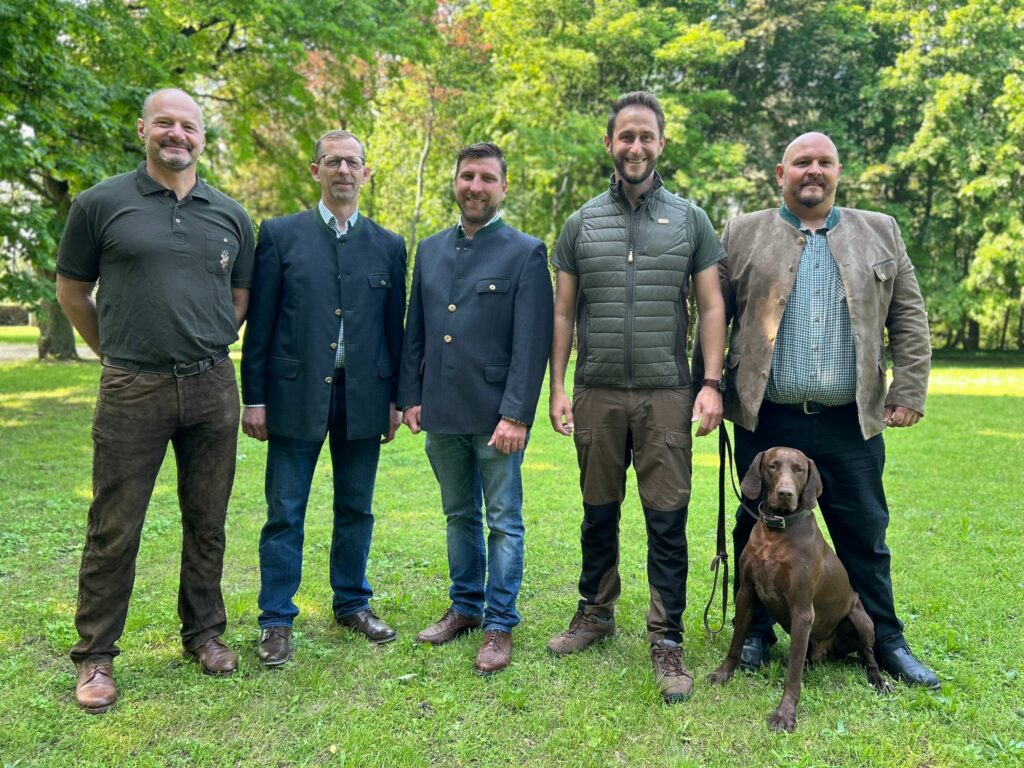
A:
[799,579]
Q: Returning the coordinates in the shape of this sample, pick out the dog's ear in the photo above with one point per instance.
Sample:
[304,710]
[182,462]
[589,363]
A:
[812,489]
[751,485]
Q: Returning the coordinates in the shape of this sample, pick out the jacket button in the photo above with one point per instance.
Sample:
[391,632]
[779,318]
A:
[764,374]
[492,287]
[383,283]
[337,312]
[792,268]
[334,345]
[800,240]
[447,339]
[771,338]
[782,301]
[451,307]
[328,380]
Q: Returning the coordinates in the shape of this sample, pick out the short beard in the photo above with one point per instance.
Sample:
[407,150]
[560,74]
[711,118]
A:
[483,218]
[620,171]
[176,162]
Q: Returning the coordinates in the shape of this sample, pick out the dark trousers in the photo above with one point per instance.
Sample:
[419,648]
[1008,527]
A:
[852,504]
[290,466]
[137,415]
[650,429]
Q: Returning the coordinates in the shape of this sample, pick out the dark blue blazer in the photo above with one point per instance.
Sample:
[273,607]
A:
[478,332]
[304,278]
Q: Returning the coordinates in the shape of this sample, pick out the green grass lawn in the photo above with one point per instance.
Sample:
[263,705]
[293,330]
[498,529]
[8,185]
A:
[957,533]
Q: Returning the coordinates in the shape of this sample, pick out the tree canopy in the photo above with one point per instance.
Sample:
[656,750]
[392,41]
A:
[924,100]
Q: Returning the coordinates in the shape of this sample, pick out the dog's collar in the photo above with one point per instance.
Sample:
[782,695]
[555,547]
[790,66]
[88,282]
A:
[781,522]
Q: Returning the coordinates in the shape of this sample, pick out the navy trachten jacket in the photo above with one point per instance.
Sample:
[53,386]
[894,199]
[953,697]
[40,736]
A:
[305,278]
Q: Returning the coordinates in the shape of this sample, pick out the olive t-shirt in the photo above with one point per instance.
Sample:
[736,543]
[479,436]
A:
[165,266]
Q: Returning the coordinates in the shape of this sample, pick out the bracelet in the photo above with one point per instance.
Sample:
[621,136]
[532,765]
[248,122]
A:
[510,420]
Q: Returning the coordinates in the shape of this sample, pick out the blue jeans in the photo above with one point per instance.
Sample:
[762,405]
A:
[471,473]
[290,467]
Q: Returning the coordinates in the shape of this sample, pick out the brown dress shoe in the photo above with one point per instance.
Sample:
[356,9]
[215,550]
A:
[215,658]
[495,653]
[451,625]
[367,623]
[275,646]
[95,691]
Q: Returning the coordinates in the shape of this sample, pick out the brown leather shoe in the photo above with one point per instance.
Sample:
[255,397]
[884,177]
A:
[95,691]
[215,658]
[495,653]
[451,625]
[674,680]
[367,623]
[275,646]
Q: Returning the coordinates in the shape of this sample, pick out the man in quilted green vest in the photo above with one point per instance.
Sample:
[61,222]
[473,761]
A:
[625,263]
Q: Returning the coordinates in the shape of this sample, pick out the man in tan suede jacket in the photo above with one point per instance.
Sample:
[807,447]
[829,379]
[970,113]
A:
[811,290]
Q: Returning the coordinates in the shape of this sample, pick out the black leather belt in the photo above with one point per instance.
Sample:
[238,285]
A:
[178,370]
[807,407]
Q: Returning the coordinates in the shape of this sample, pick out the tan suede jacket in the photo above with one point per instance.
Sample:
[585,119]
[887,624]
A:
[882,293]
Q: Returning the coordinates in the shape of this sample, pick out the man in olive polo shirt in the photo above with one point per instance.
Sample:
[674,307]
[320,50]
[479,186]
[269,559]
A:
[174,262]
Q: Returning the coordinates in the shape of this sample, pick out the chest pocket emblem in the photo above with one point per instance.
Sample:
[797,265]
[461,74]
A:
[225,259]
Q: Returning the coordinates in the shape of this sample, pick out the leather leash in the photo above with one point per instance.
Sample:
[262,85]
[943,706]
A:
[721,559]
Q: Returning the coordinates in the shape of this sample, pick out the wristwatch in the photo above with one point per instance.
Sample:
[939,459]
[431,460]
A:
[718,384]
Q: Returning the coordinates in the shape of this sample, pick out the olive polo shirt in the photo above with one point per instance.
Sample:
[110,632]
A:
[165,266]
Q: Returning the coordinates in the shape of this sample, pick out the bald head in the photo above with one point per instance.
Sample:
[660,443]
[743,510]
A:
[171,127]
[809,175]
[174,95]
[811,137]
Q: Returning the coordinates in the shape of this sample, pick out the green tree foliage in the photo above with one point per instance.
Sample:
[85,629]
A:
[925,101]
[268,74]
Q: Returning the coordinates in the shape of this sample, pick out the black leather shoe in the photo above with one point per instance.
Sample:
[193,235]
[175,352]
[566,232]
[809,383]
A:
[367,623]
[754,654]
[275,646]
[902,665]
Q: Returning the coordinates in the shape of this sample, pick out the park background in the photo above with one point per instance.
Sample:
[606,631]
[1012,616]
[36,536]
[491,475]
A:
[925,101]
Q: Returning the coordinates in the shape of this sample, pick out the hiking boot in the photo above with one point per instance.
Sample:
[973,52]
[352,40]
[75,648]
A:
[675,682]
[584,630]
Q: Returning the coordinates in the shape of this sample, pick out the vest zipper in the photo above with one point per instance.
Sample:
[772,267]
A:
[631,235]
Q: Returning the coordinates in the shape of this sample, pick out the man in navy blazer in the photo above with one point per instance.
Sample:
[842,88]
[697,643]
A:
[477,339]
[320,359]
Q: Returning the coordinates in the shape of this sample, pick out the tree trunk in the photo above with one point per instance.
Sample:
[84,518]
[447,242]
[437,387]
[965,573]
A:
[56,337]
[1006,326]
[973,341]
[421,172]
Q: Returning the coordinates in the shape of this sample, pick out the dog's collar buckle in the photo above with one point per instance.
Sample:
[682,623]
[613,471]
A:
[781,522]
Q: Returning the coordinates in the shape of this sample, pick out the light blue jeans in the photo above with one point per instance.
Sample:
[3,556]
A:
[471,474]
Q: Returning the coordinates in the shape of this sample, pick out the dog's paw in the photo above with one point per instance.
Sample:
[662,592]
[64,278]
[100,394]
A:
[720,676]
[782,720]
[881,684]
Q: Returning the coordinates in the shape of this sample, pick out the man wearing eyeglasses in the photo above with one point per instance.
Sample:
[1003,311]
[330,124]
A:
[320,360]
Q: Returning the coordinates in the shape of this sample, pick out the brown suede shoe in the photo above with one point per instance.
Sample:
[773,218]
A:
[95,691]
[366,623]
[451,625]
[215,658]
[675,682]
[275,646]
[496,652]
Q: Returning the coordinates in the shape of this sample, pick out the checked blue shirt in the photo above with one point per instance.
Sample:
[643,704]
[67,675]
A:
[814,357]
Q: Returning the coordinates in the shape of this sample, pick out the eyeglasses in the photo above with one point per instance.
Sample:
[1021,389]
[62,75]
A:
[334,162]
